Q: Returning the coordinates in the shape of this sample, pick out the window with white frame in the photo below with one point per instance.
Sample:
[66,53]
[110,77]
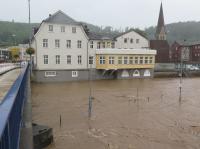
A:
[68,44]
[57,43]
[73,29]
[125,60]
[79,59]
[130,60]
[131,40]
[125,40]
[91,44]
[108,44]
[46,59]
[103,45]
[69,59]
[119,60]
[98,45]
[45,43]
[57,59]
[74,74]
[150,60]
[79,42]
[113,45]
[111,60]
[136,60]
[146,60]
[141,60]
[50,73]
[90,59]
[51,28]
[102,59]
[62,28]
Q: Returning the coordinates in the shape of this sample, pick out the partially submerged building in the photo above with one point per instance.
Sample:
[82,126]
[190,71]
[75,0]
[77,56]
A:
[66,50]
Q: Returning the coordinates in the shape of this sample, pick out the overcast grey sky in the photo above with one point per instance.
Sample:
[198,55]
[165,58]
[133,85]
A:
[116,13]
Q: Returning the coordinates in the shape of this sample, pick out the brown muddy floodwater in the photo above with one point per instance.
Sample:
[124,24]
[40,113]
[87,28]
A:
[122,118]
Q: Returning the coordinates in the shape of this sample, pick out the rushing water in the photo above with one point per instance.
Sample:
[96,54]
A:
[126,114]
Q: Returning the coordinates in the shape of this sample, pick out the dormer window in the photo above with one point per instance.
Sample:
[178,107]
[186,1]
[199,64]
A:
[73,29]
[51,28]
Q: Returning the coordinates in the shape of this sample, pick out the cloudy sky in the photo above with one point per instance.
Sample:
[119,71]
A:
[116,13]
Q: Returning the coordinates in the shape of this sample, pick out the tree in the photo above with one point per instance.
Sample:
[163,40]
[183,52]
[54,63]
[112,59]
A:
[15,52]
[30,51]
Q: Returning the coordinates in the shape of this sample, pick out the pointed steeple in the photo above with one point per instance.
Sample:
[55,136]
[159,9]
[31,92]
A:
[160,30]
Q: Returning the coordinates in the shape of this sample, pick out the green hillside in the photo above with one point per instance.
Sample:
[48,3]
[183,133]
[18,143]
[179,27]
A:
[189,31]
[12,33]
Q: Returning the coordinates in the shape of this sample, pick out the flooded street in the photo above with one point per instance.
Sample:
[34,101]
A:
[126,114]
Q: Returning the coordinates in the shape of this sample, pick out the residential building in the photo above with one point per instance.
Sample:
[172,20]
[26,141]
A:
[5,55]
[190,52]
[66,50]
[131,40]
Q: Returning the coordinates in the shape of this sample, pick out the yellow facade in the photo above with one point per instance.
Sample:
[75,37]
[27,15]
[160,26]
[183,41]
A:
[124,61]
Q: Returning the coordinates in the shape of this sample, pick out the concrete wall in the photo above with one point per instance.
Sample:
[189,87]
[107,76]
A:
[66,75]
[165,67]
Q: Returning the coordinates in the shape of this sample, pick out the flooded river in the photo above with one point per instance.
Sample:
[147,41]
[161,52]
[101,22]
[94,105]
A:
[126,114]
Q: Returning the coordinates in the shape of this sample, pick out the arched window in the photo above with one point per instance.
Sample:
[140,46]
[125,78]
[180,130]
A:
[125,74]
[136,73]
[147,73]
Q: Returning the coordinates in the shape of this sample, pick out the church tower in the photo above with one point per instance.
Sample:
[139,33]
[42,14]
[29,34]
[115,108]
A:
[161,30]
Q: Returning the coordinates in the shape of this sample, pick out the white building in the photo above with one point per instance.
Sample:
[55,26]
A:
[131,40]
[65,50]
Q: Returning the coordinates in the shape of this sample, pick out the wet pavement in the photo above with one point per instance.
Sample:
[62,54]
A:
[126,114]
[6,81]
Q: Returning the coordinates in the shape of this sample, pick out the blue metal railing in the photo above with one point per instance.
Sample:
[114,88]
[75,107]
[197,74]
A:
[11,111]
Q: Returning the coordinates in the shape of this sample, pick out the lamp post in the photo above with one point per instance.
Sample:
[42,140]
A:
[13,35]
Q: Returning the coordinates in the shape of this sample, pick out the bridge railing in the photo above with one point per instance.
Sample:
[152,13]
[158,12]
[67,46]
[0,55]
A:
[11,110]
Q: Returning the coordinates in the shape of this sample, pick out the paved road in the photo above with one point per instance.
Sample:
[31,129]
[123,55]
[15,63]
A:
[6,82]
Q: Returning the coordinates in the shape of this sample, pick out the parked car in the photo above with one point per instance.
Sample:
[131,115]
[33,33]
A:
[191,67]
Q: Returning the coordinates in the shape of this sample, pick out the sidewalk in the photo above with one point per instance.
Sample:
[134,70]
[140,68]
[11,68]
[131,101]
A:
[6,81]
[5,67]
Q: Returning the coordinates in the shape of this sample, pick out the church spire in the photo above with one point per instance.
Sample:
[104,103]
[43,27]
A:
[160,30]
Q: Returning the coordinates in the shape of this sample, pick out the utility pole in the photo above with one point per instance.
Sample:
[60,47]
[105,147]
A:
[29,21]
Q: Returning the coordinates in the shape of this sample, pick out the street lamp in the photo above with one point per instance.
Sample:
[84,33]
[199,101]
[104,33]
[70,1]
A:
[13,35]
